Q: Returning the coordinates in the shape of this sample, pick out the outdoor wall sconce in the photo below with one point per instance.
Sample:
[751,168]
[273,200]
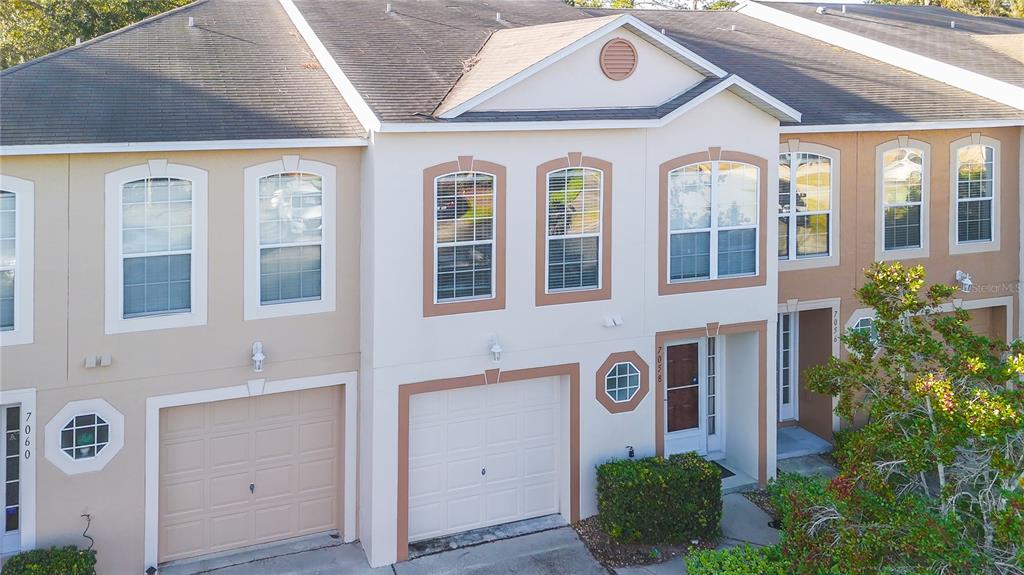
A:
[257,356]
[495,349]
[966,285]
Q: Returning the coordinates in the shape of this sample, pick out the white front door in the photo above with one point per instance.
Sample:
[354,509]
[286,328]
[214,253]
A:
[10,471]
[483,455]
[786,367]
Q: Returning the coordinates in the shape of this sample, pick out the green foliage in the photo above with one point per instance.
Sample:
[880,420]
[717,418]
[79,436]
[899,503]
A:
[600,3]
[933,482]
[659,501]
[68,560]
[33,28]
[1011,8]
[743,560]
[782,488]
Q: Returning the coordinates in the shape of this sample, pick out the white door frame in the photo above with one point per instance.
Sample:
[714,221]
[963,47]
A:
[26,399]
[694,439]
[252,388]
[795,306]
[790,412]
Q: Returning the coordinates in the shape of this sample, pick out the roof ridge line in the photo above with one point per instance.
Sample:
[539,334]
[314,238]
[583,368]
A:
[100,38]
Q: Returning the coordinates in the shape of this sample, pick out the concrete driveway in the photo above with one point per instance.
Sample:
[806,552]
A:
[557,551]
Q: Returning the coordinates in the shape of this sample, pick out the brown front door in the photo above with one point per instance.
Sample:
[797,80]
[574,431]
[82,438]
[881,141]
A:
[683,387]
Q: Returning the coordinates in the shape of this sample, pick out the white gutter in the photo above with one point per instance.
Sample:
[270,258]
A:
[348,90]
[984,86]
[901,126]
[181,146]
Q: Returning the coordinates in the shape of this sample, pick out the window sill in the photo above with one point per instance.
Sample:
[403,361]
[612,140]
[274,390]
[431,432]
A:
[788,265]
[151,323]
[287,309]
[884,255]
[15,337]
[974,247]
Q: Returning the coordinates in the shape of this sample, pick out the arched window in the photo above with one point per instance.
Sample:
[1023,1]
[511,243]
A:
[975,193]
[713,220]
[464,251]
[574,215]
[16,260]
[805,205]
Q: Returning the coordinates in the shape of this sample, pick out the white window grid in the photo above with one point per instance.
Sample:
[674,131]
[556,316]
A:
[788,217]
[8,247]
[988,165]
[144,254]
[317,243]
[622,377]
[714,228]
[887,206]
[587,192]
[711,377]
[455,243]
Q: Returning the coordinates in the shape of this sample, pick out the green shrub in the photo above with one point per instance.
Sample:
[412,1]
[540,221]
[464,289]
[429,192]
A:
[743,560]
[68,560]
[657,500]
[785,486]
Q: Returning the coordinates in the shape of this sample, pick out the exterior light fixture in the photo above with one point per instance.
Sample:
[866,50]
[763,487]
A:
[257,356]
[966,285]
[496,349]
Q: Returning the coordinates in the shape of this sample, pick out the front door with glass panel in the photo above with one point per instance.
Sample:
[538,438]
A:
[10,470]
[786,368]
[692,417]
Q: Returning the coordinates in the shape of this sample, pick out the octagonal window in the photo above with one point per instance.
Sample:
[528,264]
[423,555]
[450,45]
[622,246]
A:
[84,436]
[622,382]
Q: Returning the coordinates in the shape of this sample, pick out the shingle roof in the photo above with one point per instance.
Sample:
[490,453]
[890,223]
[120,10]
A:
[828,85]
[978,43]
[403,63]
[242,72]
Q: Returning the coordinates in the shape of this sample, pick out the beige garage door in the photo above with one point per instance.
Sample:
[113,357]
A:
[247,471]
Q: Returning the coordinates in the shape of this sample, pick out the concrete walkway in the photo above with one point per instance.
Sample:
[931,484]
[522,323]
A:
[742,523]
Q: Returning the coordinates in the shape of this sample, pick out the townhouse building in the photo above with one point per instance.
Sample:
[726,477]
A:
[402,270]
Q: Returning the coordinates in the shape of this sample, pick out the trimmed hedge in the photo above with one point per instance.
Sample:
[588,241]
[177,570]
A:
[68,560]
[659,501]
[743,560]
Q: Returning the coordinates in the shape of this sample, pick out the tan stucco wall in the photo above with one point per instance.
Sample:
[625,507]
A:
[69,325]
[995,274]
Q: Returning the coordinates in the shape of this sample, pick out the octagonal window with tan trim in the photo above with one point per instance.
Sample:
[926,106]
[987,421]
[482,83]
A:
[622,382]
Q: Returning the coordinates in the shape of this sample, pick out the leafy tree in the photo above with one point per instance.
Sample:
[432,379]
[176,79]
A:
[933,482]
[669,4]
[1012,8]
[32,28]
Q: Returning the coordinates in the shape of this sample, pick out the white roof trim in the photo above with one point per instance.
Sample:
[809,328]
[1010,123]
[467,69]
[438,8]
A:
[901,126]
[181,146]
[979,84]
[733,83]
[624,20]
[348,90]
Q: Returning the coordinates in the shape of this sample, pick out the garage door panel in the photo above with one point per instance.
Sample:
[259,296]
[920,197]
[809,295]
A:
[518,447]
[287,446]
[183,456]
[318,514]
[315,475]
[276,522]
[228,450]
[464,435]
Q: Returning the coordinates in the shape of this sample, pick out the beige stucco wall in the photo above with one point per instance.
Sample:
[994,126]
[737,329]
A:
[995,273]
[69,325]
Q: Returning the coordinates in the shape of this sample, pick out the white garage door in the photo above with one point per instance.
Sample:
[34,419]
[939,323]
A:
[482,456]
[247,471]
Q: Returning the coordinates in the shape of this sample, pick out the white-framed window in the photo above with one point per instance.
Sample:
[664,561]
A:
[464,248]
[713,220]
[84,436]
[805,205]
[902,183]
[156,272]
[622,382]
[574,234]
[974,175]
[290,213]
[17,219]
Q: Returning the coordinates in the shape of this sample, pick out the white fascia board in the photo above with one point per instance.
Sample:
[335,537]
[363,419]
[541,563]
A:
[901,126]
[984,86]
[657,38]
[348,90]
[728,84]
[43,149]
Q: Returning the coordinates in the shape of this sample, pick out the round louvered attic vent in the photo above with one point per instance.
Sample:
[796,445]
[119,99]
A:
[618,59]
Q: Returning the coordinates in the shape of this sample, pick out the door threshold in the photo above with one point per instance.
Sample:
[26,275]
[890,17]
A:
[486,535]
[242,555]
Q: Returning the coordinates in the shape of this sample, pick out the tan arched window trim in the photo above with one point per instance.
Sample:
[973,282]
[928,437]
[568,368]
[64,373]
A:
[573,160]
[463,164]
[665,287]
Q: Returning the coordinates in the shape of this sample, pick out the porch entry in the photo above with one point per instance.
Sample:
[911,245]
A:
[693,406]
[804,341]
